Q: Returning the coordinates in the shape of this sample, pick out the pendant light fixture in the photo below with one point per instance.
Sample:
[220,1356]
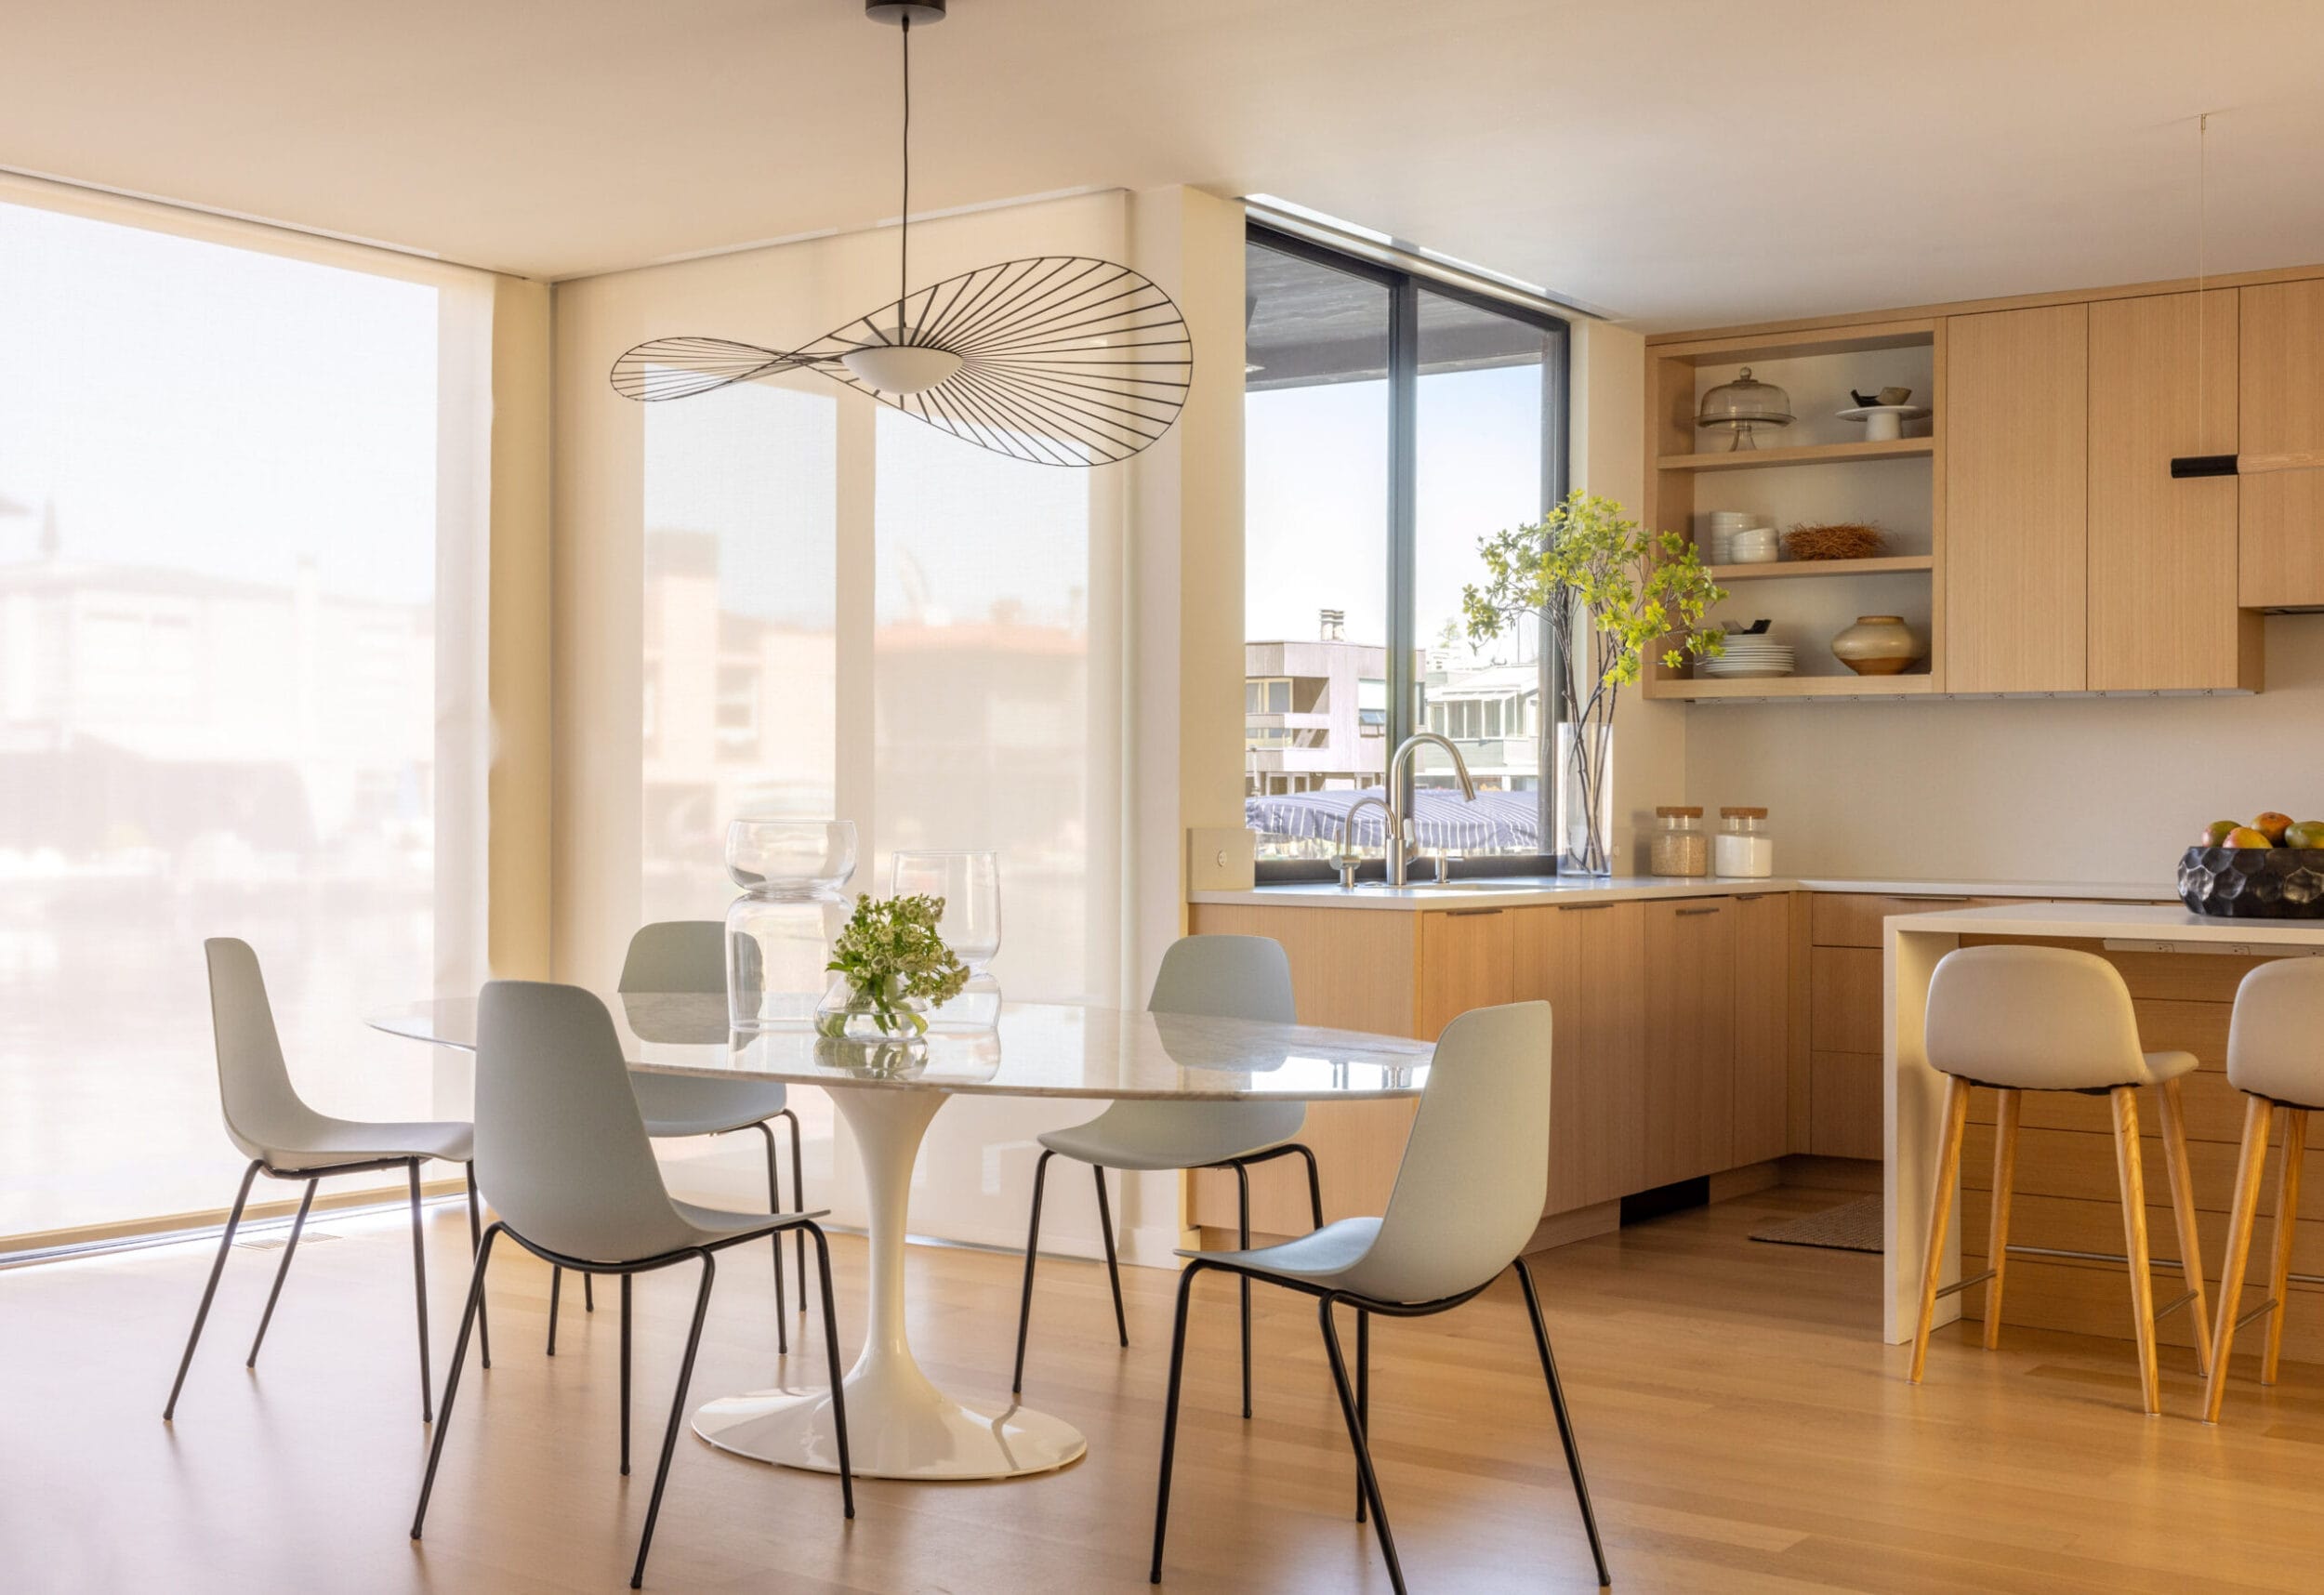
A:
[1058,360]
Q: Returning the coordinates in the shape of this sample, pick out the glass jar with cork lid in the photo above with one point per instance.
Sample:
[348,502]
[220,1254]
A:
[1743,848]
[1680,845]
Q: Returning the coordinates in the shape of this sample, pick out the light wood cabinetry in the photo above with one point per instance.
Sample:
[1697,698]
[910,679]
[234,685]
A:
[2281,445]
[1762,1027]
[2164,549]
[1689,1028]
[1588,964]
[2016,500]
[1465,962]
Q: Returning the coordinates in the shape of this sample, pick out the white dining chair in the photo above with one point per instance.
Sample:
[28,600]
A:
[690,955]
[1468,1197]
[2053,1018]
[285,1139]
[2275,1057]
[1221,977]
[561,1151]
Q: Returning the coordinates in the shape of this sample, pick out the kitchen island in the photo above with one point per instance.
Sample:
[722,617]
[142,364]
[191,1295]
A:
[1706,1028]
[2182,969]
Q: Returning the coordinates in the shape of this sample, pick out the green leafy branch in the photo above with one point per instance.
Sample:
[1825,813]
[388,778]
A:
[890,952]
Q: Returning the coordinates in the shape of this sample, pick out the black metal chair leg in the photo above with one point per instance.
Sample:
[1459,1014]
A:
[556,1288]
[1356,1438]
[1363,1390]
[831,1354]
[1032,1244]
[1565,1422]
[476,1239]
[202,1313]
[419,1297]
[676,1414]
[589,1293]
[1315,1183]
[1113,1269]
[1242,1180]
[799,1204]
[282,1269]
[624,1374]
[1170,1419]
[774,1205]
[452,1379]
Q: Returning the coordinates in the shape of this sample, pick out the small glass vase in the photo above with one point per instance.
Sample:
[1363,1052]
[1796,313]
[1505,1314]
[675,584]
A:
[779,933]
[1585,800]
[848,1013]
[970,884]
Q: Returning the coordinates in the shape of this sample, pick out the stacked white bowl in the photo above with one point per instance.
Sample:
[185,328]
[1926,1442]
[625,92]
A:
[1749,656]
[1737,539]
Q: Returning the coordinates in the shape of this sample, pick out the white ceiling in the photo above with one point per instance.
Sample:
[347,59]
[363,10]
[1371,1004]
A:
[1682,162]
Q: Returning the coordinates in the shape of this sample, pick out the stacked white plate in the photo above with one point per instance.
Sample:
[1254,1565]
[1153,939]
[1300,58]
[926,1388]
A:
[1749,658]
[1725,525]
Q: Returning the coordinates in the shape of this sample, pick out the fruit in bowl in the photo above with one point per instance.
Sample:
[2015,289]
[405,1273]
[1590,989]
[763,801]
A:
[2247,836]
[2272,826]
[2215,835]
[2306,834]
[2272,868]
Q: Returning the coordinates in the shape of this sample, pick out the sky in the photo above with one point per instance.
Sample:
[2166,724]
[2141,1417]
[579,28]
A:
[194,405]
[1315,494]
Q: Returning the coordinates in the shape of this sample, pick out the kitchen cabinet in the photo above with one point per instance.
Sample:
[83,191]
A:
[1589,963]
[1465,962]
[2281,381]
[2164,555]
[1762,1027]
[2016,500]
[1689,1036]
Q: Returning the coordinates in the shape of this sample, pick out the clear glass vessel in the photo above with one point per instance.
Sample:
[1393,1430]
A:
[779,933]
[1743,847]
[1680,846]
[970,884]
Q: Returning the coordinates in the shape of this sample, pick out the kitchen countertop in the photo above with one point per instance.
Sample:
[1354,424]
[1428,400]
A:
[1527,891]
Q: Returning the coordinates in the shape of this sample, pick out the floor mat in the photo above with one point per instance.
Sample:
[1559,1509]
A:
[1851,1227]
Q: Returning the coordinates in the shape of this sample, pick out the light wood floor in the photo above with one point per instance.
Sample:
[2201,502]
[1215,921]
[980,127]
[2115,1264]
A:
[1745,1432]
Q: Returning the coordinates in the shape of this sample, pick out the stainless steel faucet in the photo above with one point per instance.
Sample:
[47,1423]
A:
[1346,860]
[1399,823]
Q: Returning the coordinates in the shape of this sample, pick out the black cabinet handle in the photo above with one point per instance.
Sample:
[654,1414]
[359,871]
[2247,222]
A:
[1683,912]
[1581,907]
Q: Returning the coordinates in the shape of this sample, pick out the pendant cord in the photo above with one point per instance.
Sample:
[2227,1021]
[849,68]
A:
[903,247]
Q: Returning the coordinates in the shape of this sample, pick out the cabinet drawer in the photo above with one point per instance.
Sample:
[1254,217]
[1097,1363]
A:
[1853,919]
[1844,1108]
[1843,1000]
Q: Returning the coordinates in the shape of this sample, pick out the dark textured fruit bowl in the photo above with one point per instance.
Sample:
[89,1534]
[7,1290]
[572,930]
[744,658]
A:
[2254,883]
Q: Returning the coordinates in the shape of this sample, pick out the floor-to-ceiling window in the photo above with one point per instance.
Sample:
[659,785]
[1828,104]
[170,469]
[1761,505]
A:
[1391,422]
[219,644]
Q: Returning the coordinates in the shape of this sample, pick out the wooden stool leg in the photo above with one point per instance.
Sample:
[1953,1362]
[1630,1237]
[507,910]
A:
[2257,1114]
[2286,1215]
[2183,1215]
[1997,1236]
[1940,1214]
[2133,1178]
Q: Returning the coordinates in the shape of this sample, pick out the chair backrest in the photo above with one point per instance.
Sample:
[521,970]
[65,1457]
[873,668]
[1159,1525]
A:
[561,1149]
[2276,1040]
[2036,1019]
[1225,977]
[1219,977]
[1476,1169]
[264,1115]
[676,955]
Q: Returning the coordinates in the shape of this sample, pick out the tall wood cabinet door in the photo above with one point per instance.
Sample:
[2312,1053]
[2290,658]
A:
[2016,500]
[1588,962]
[1465,963]
[2281,445]
[2162,551]
[1762,1027]
[1689,1029]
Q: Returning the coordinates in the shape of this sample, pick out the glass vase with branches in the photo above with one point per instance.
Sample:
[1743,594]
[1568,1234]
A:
[1610,595]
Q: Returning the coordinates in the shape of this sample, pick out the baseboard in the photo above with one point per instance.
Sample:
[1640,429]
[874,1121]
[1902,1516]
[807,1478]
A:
[1580,1224]
[1858,1174]
[1743,1182]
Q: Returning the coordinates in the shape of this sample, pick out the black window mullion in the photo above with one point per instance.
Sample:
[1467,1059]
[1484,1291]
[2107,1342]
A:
[1404,489]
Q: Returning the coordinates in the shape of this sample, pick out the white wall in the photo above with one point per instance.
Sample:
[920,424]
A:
[2092,789]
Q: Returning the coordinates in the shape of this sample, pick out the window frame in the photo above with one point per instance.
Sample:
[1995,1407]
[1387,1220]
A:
[1407,714]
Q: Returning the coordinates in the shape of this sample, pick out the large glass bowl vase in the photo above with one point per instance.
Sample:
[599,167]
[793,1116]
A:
[779,933]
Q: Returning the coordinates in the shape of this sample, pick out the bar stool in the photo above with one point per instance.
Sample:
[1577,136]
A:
[2048,1019]
[2276,1057]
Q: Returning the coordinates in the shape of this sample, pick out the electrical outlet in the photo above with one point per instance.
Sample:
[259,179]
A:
[1220,859]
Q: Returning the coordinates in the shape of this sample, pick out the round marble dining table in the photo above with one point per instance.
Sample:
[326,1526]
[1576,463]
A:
[899,1424]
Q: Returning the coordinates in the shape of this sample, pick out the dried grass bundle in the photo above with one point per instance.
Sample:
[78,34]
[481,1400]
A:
[1839,540]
